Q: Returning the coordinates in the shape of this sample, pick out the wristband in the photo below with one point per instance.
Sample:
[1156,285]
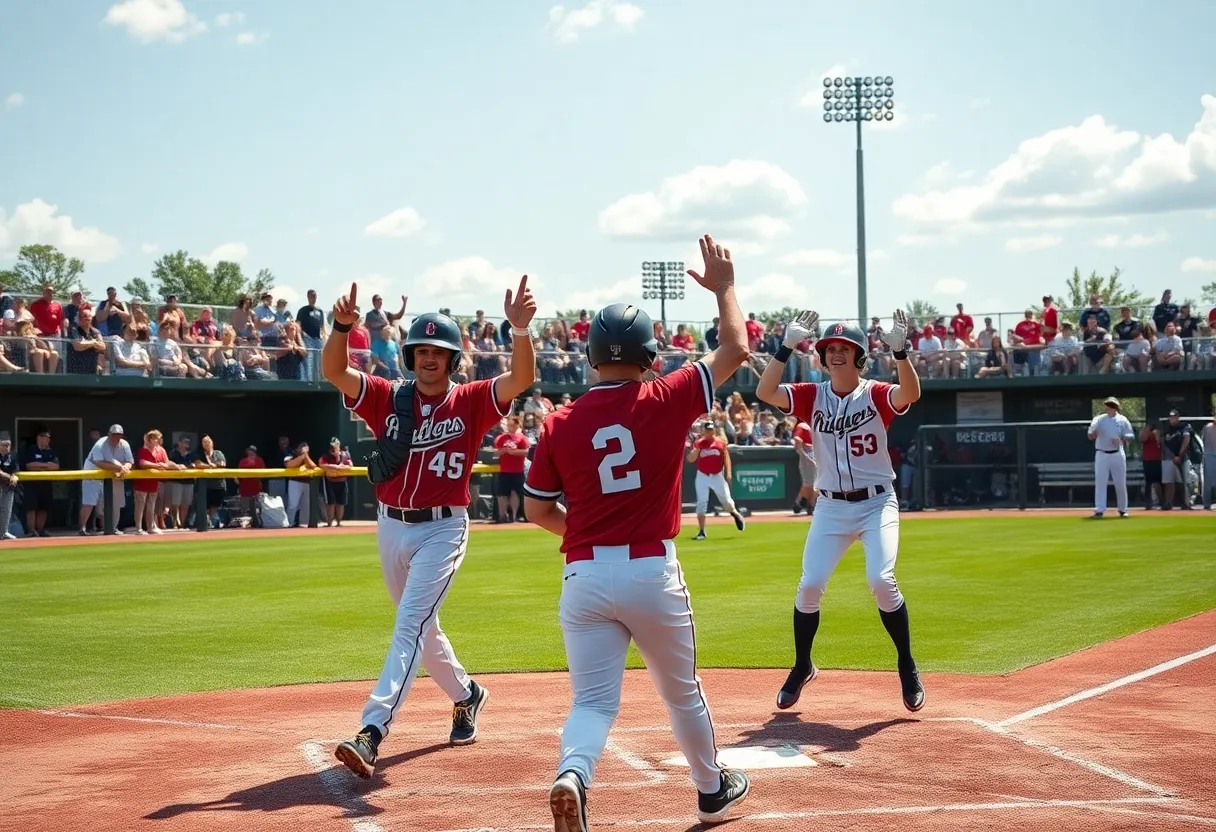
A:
[524,332]
[899,355]
[342,327]
[783,353]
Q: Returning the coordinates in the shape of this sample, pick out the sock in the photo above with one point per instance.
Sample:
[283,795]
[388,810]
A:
[897,627]
[802,503]
[376,735]
[806,624]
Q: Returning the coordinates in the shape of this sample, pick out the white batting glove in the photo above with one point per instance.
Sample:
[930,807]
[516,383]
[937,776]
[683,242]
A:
[799,329]
[897,336]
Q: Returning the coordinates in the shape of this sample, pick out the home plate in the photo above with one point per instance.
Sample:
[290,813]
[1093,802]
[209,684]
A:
[754,757]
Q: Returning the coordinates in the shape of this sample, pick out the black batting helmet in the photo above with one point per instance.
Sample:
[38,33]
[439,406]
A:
[435,330]
[621,334]
[843,333]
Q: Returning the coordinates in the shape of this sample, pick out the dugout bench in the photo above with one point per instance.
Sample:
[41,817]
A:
[1073,475]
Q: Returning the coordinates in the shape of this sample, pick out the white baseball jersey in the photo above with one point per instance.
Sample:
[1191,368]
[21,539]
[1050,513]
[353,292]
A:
[850,432]
[1108,430]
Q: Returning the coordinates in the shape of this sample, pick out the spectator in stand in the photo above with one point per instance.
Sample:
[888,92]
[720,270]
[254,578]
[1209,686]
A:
[141,319]
[291,352]
[311,319]
[16,314]
[1126,327]
[1137,352]
[511,447]
[996,362]
[682,340]
[952,354]
[1150,459]
[111,316]
[242,317]
[150,457]
[72,310]
[206,334]
[755,332]
[337,464]
[1202,354]
[48,314]
[8,485]
[1212,318]
[131,357]
[983,338]
[1176,461]
[226,362]
[478,324]
[87,351]
[1064,350]
[171,358]
[38,495]
[1051,320]
[1167,351]
[1165,312]
[35,354]
[963,326]
[7,366]
[255,361]
[171,315]
[6,299]
[930,352]
[538,404]
[249,488]
[210,457]
[490,362]
[281,313]
[582,327]
[386,355]
[1095,311]
[266,322]
[1188,326]
[1208,481]
[1030,334]
[1098,349]
[377,319]
[530,424]
[711,336]
[297,487]
[111,453]
[181,492]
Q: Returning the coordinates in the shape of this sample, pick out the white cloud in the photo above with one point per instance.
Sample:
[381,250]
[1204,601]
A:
[291,294]
[776,289]
[229,18]
[1024,245]
[1090,170]
[827,258]
[569,24]
[943,173]
[149,248]
[14,99]
[949,286]
[1198,264]
[627,290]
[151,20]
[36,222]
[746,199]
[251,38]
[471,277]
[1131,240]
[925,240]
[231,252]
[400,223]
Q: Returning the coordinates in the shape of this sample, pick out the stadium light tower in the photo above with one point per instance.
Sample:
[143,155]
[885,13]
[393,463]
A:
[869,98]
[663,280]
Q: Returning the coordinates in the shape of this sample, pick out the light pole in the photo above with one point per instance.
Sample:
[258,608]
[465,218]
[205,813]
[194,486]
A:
[857,100]
[663,280]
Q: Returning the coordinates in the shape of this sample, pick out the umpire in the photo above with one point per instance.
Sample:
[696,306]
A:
[1175,460]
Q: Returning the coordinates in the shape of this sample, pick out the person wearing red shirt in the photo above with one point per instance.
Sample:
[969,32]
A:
[422,491]
[511,448]
[582,326]
[617,455]
[48,314]
[152,457]
[1150,458]
[248,488]
[755,332]
[359,342]
[1051,320]
[962,324]
[1028,333]
[712,458]
[807,495]
[336,464]
[1212,317]
[683,340]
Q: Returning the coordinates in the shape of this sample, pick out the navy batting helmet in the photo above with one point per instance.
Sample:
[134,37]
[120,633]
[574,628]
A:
[435,330]
[843,334]
[621,334]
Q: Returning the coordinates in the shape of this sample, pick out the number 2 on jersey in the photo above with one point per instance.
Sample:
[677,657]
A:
[454,468]
[863,445]
[609,482]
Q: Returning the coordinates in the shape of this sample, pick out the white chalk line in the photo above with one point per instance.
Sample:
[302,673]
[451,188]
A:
[1196,819]
[1015,805]
[180,723]
[337,782]
[649,772]
[1109,686]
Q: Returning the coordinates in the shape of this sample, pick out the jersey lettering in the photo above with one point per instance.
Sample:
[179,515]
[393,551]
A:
[843,424]
[609,482]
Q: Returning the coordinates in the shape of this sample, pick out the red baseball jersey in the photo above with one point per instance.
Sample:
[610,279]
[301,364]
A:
[712,458]
[803,431]
[617,454]
[446,439]
[509,463]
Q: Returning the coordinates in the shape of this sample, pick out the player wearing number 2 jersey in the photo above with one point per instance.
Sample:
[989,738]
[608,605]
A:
[426,445]
[848,416]
[617,455]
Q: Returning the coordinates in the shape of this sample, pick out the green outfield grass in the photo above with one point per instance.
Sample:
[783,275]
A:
[93,623]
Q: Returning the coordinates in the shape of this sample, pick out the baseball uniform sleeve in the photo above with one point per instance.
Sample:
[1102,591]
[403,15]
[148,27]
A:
[543,483]
[691,388]
[373,404]
[881,393]
[1129,433]
[1093,427]
[802,400]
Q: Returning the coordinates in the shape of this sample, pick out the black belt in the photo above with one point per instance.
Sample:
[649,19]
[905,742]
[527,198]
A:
[1115,451]
[855,495]
[417,515]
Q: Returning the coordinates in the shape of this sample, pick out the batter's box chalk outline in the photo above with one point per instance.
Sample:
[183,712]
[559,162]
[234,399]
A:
[338,782]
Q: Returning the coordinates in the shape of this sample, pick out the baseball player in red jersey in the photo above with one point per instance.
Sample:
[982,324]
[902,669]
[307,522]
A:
[804,444]
[422,488]
[712,458]
[617,455]
[849,417]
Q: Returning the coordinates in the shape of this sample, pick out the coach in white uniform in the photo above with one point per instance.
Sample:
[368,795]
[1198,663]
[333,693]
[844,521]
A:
[1109,432]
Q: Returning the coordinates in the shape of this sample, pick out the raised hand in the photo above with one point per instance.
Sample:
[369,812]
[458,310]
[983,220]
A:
[520,308]
[346,309]
[719,270]
[897,336]
[799,329]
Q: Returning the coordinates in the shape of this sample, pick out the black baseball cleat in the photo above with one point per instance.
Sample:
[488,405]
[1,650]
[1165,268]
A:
[464,715]
[739,524]
[359,754]
[568,803]
[713,808]
[700,535]
[913,690]
[787,697]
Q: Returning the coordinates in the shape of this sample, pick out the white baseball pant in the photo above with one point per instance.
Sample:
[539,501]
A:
[419,562]
[605,602]
[1107,467]
[716,483]
[873,521]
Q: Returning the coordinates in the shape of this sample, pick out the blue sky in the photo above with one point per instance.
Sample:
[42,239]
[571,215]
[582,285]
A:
[439,150]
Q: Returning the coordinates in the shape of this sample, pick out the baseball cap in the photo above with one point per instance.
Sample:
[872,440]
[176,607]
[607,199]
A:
[707,424]
[253,448]
[116,429]
[1175,412]
[1112,402]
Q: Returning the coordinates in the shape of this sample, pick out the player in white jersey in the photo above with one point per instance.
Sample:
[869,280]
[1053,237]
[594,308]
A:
[1109,432]
[849,417]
